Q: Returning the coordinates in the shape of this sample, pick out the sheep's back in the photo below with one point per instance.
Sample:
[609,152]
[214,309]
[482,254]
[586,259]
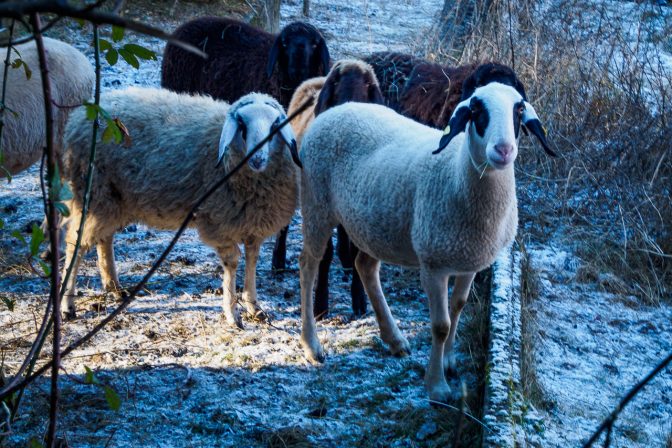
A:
[392,69]
[236,64]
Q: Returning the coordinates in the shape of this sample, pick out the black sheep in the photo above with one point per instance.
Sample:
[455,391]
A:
[243,59]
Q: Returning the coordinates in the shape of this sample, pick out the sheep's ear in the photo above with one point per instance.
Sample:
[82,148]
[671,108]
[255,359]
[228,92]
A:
[325,99]
[375,95]
[532,123]
[229,131]
[273,56]
[324,56]
[457,124]
[287,136]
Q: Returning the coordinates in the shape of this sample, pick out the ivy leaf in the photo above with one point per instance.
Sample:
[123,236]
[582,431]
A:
[91,111]
[21,63]
[104,44]
[113,400]
[16,234]
[37,237]
[62,209]
[112,56]
[141,52]
[89,377]
[9,303]
[129,57]
[45,268]
[117,33]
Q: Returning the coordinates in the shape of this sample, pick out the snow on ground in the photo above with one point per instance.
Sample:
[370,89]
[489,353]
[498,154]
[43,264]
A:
[184,377]
[591,347]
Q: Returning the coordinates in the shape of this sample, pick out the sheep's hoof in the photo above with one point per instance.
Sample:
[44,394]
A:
[258,315]
[314,355]
[401,348]
[69,315]
[450,367]
[235,321]
[120,295]
[440,393]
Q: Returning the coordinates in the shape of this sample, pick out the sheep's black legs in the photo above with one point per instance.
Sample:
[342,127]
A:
[280,251]
[346,253]
[321,306]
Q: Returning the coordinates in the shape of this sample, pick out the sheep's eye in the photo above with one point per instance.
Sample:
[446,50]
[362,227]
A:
[521,109]
[243,129]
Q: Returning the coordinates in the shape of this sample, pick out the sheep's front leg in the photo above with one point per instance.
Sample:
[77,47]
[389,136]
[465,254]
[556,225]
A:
[250,287]
[229,256]
[368,268]
[106,266]
[436,287]
[457,301]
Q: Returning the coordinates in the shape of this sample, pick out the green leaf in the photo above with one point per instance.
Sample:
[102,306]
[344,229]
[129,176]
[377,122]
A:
[129,57]
[112,56]
[117,33]
[81,22]
[91,111]
[112,133]
[89,377]
[62,209]
[9,303]
[65,193]
[45,268]
[16,234]
[34,443]
[104,44]
[2,224]
[141,52]
[113,400]
[36,239]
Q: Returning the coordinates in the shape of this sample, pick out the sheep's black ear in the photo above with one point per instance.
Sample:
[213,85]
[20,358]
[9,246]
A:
[287,137]
[375,95]
[273,56]
[324,56]
[532,123]
[326,98]
[457,124]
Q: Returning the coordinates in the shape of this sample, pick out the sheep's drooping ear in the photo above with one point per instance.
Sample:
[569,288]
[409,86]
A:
[325,99]
[532,123]
[457,124]
[324,56]
[287,136]
[273,56]
[375,95]
[229,131]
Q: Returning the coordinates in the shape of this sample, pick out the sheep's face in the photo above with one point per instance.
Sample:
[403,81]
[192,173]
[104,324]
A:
[349,81]
[492,117]
[300,52]
[248,122]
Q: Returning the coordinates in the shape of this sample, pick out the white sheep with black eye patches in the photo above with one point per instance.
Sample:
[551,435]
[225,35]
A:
[448,212]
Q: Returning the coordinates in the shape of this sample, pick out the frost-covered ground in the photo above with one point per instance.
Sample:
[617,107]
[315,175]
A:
[591,346]
[184,377]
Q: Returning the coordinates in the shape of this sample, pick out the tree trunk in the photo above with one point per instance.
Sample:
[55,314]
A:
[306,8]
[269,16]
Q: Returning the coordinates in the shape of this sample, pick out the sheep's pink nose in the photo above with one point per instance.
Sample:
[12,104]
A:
[504,150]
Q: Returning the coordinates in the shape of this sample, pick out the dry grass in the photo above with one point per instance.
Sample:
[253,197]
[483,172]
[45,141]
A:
[596,75]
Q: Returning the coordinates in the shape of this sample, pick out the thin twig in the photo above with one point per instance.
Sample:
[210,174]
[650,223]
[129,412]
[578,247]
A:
[52,219]
[609,421]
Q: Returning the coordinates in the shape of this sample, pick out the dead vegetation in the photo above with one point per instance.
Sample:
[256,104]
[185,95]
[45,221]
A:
[598,74]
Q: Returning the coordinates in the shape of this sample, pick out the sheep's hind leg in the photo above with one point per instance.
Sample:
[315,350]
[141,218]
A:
[68,304]
[250,287]
[368,268]
[458,299]
[321,304]
[315,238]
[107,268]
[279,261]
[229,256]
[436,287]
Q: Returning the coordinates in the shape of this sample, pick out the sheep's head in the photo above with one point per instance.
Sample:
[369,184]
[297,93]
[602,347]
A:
[349,80]
[492,116]
[248,122]
[300,52]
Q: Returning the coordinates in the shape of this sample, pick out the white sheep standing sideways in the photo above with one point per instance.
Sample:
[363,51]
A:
[72,78]
[448,214]
[171,161]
